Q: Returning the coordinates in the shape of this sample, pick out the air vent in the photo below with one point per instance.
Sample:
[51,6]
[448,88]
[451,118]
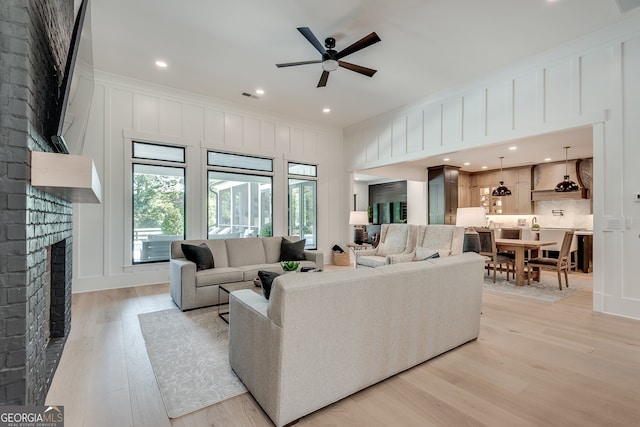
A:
[250,95]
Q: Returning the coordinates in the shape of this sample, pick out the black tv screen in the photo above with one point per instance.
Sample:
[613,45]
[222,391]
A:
[76,91]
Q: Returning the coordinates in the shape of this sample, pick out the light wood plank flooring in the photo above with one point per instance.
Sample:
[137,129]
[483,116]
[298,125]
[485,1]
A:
[535,364]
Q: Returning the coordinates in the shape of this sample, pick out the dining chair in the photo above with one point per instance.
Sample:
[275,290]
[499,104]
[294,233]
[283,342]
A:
[490,253]
[560,264]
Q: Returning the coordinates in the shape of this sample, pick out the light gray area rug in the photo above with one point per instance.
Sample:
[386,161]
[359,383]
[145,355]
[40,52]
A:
[190,359]
[545,290]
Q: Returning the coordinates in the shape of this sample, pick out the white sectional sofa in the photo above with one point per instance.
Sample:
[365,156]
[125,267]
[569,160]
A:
[236,260]
[323,336]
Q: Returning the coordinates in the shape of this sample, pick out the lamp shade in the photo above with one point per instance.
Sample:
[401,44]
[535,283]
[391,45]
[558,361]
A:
[471,217]
[566,185]
[358,218]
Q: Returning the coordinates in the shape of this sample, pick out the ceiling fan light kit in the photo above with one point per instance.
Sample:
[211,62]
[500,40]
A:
[331,59]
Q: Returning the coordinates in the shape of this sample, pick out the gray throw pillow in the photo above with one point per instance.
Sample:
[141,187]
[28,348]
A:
[292,251]
[200,255]
[266,279]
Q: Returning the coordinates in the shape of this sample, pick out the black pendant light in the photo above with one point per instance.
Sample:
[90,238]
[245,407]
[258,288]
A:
[566,185]
[501,190]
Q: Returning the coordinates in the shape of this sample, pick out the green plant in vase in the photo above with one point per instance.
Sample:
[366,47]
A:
[289,266]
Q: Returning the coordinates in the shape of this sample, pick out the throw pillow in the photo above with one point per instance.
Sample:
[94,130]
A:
[266,279]
[292,251]
[200,255]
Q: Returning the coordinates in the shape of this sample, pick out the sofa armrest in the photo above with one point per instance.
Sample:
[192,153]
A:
[317,257]
[398,258]
[366,252]
[255,348]
[182,283]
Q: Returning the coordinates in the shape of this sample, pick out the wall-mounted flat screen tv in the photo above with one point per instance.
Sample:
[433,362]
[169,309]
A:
[76,91]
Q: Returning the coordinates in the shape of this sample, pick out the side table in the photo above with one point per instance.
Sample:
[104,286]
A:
[355,247]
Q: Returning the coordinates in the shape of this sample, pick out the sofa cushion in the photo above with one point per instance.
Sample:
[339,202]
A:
[292,251]
[272,249]
[385,249]
[200,255]
[249,272]
[248,251]
[218,276]
[266,279]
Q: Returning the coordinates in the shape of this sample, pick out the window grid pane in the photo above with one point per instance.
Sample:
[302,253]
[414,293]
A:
[239,161]
[158,206]
[302,169]
[142,150]
[239,205]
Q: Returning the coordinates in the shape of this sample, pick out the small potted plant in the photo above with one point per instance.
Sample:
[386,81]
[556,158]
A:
[289,266]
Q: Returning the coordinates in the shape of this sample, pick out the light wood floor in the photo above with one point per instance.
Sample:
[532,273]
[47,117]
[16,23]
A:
[534,364]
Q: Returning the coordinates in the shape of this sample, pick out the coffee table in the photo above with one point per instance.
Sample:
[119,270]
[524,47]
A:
[223,296]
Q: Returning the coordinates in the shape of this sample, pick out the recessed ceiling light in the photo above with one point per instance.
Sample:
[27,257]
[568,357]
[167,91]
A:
[484,167]
[513,148]
[161,64]
[548,159]
[326,110]
[467,163]
[446,159]
[259,91]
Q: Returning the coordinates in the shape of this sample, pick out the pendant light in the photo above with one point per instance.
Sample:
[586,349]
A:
[566,185]
[501,190]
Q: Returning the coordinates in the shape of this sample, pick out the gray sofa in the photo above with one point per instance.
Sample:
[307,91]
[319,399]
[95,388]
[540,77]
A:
[236,260]
[323,336]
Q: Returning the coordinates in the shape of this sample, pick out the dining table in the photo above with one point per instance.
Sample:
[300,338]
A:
[520,247]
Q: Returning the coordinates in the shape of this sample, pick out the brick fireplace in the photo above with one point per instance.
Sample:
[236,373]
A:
[33,223]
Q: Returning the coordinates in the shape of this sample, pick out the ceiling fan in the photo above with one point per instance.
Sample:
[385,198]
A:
[331,59]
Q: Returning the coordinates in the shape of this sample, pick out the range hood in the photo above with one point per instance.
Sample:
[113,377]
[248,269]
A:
[546,176]
[72,178]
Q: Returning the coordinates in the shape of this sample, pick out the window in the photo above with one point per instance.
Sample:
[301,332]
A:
[302,203]
[239,204]
[158,201]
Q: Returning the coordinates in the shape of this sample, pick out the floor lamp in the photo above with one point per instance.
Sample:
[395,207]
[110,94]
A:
[469,218]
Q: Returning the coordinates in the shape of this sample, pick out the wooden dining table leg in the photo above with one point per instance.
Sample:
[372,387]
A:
[520,266]
[535,253]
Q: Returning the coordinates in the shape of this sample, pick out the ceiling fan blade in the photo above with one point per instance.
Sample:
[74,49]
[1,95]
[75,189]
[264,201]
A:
[306,32]
[323,79]
[293,64]
[358,68]
[360,44]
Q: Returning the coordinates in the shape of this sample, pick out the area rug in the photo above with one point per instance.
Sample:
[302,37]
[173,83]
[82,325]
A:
[545,290]
[189,355]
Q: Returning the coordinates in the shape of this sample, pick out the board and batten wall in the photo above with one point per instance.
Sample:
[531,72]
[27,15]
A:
[592,81]
[124,110]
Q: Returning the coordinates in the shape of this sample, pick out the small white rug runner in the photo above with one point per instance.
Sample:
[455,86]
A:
[190,359]
[545,290]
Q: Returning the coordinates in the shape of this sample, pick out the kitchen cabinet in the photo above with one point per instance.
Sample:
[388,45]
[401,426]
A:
[464,190]
[443,194]
[519,182]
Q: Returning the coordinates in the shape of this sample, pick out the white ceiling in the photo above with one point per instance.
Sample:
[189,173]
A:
[223,48]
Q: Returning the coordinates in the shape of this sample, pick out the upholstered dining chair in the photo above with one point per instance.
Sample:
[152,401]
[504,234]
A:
[560,264]
[489,251]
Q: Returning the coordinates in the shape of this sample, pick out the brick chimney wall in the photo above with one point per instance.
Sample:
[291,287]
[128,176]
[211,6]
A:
[34,42]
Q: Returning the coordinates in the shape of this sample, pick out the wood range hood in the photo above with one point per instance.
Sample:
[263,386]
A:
[72,178]
[546,176]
